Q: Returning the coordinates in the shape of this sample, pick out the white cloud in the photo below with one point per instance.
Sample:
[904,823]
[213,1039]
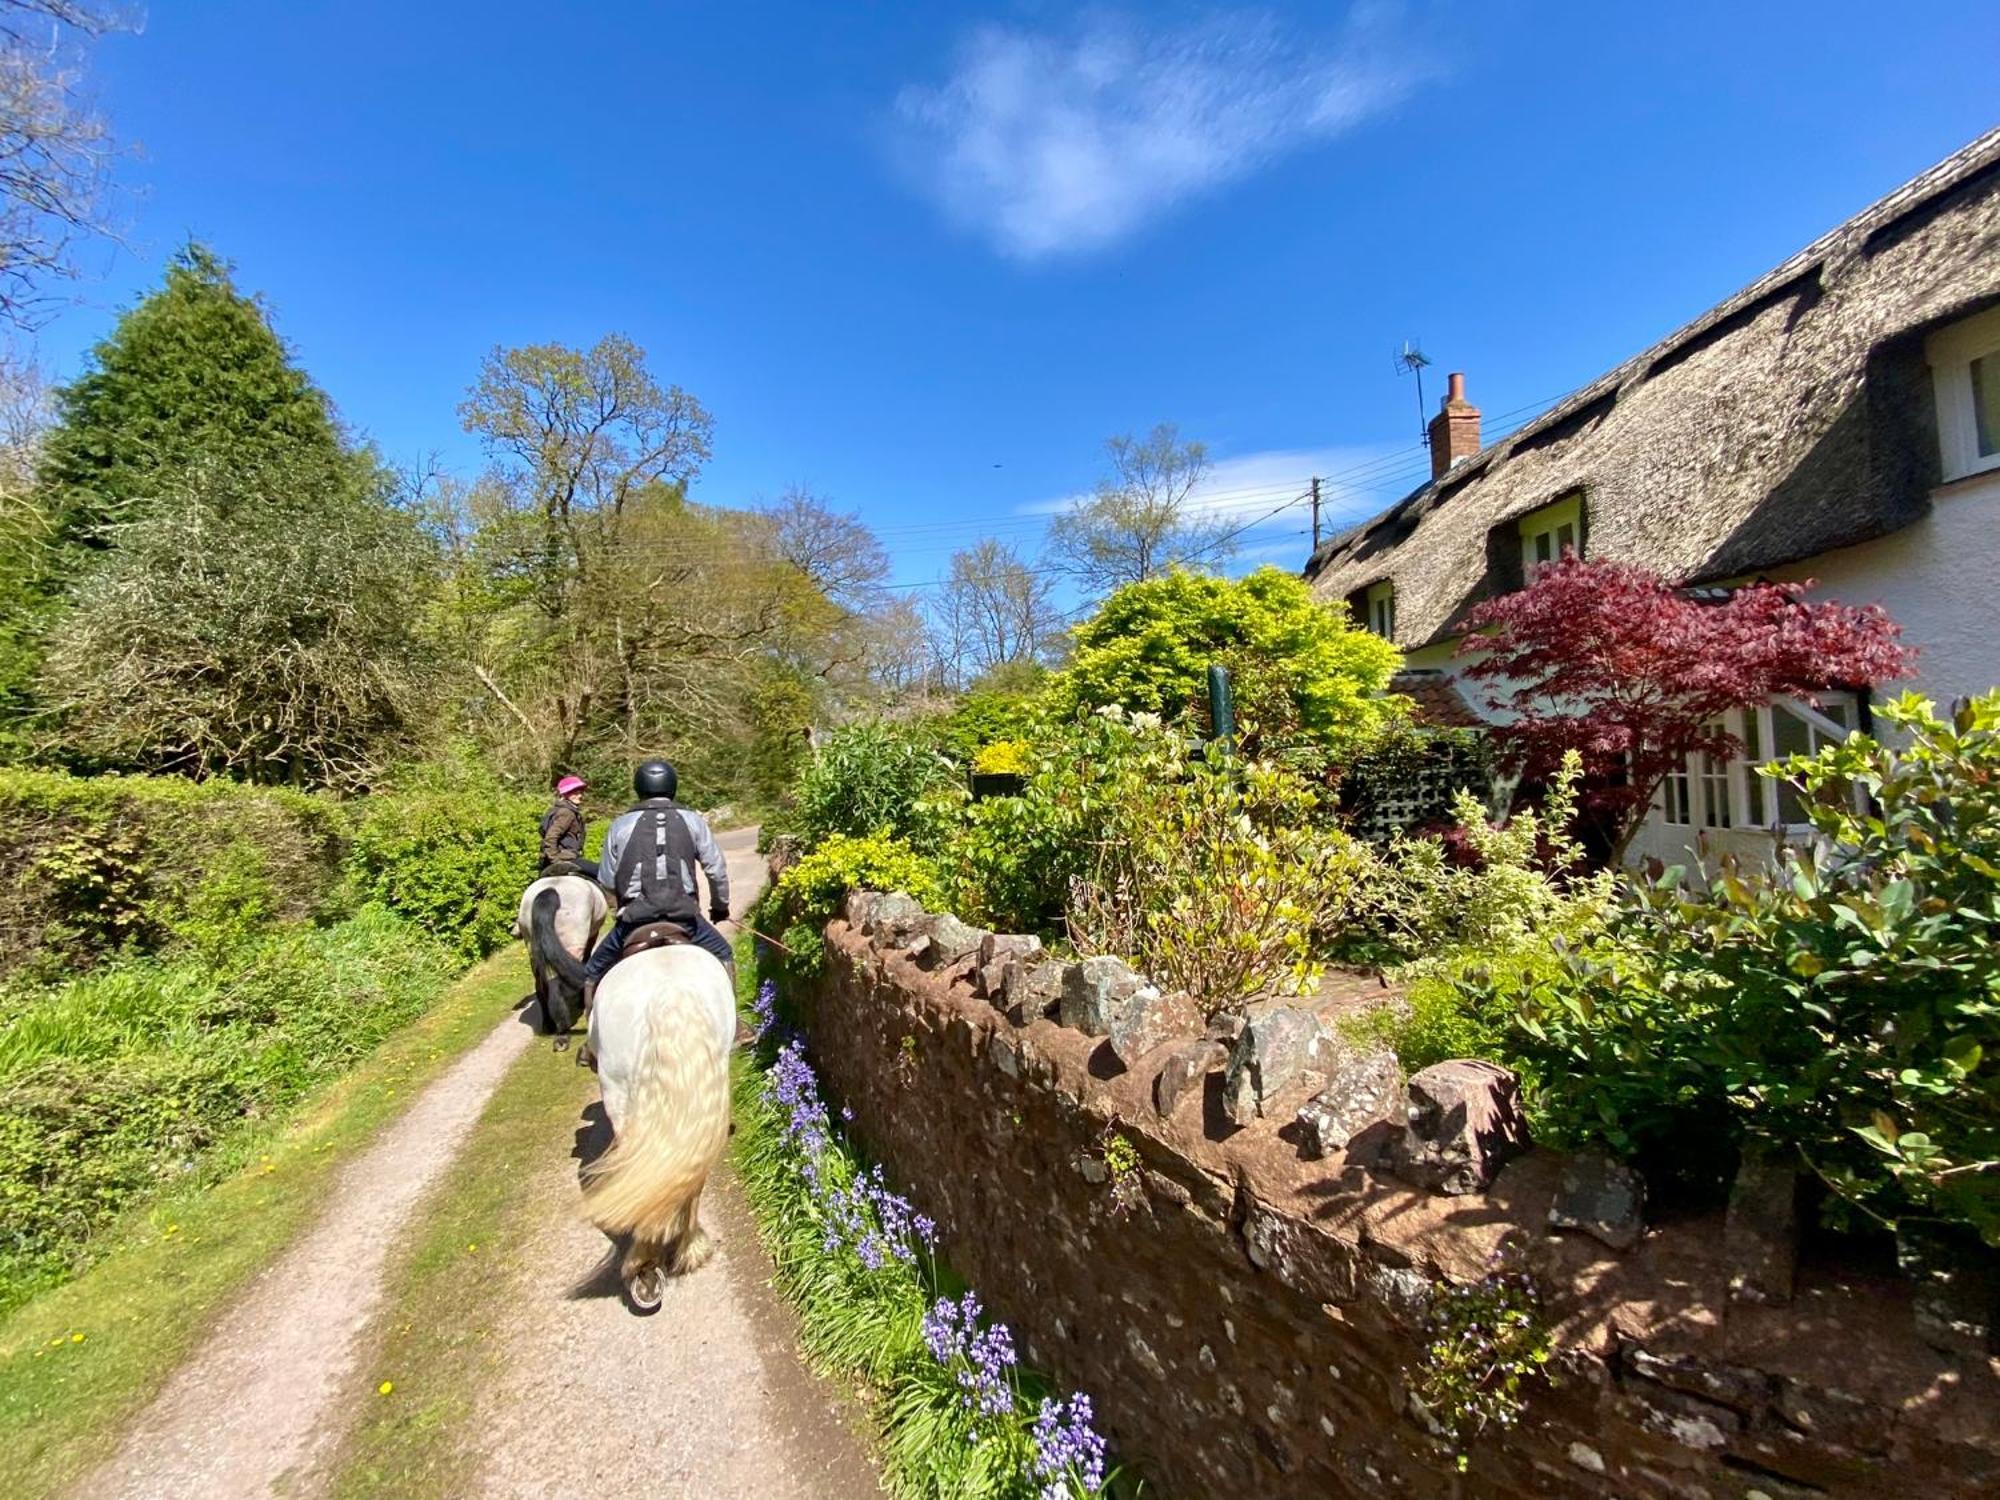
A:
[1355,482]
[1055,143]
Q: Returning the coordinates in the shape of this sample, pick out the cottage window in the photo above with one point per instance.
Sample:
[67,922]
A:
[1714,793]
[1965,369]
[1382,610]
[1550,532]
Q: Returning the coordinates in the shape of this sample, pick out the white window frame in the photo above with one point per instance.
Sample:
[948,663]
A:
[1687,796]
[1951,352]
[1381,602]
[1546,527]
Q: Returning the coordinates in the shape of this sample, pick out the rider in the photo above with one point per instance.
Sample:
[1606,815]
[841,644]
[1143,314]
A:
[563,832]
[648,863]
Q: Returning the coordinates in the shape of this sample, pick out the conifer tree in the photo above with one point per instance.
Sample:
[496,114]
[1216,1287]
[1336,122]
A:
[194,372]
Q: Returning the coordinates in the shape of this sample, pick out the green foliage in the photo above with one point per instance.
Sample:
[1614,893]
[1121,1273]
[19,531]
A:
[809,892]
[1513,886]
[261,622]
[1302,673]
[990,713]
[193,372]
[452,850]
[1844,1009]
[1484,1342]
[1212,874]
[870,778]
[122,1080]
[108,863]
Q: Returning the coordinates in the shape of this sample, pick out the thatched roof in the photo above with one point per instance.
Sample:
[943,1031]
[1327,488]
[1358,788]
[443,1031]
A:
[1794,418]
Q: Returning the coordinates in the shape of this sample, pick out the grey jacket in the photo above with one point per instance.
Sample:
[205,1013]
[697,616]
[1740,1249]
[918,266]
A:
[704,846]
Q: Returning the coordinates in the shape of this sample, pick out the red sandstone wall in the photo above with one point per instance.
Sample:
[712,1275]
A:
[1245,1327]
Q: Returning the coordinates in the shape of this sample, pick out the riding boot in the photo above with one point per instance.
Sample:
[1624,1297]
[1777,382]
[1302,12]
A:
[585,1058]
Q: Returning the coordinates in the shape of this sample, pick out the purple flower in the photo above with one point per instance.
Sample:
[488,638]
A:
[766,1009]
[981,1359]
[1068,1451]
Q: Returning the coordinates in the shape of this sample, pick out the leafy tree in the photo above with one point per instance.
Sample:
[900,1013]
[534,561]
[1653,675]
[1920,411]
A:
[194,372]
[1609,660]
[1301,671]
[260,622]
[580,435]
[1140,522]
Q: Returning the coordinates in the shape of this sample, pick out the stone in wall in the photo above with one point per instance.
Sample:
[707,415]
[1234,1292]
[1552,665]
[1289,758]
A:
[995,949]
[1186,1072]
[1602,1198]
[1269,1058]
[1465,1121]
[1361,1108]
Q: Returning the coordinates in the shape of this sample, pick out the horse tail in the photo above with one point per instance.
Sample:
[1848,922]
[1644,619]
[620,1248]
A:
[547,947]
[648,1185]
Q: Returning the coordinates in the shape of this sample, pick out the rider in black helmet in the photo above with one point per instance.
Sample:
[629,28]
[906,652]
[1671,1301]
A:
[648,866]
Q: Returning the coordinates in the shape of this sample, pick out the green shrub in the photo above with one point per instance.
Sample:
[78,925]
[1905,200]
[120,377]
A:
[809,893]
[1843,1011]
[124,1078]
[452,850]
[1514,886]
[869,778]
[1302,672]
[99,865]
[1002,758]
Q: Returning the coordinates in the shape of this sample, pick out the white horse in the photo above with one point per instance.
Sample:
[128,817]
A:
[559,917]
[661,1028]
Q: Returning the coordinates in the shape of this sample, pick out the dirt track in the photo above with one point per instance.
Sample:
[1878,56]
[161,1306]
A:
[704,1399]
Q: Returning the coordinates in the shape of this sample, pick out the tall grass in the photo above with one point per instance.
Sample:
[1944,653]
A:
[130,1077]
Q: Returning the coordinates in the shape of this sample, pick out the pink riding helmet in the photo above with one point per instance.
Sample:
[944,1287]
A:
[570,784]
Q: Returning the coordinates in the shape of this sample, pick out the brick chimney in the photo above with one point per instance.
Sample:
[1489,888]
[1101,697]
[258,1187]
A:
[1455,429]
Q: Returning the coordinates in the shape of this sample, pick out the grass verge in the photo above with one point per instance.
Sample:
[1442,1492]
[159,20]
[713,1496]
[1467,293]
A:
[957,1413]
[435,1348]
[77,1362]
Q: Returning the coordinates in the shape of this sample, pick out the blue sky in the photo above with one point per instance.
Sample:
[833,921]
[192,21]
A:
[925,258]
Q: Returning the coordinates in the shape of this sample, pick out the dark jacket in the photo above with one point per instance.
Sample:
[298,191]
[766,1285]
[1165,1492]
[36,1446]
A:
[562,834]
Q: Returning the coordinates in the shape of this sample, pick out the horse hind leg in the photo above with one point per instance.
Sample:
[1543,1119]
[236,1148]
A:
[688,1246]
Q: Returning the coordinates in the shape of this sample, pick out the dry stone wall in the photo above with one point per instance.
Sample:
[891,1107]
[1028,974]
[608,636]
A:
[1245,1304]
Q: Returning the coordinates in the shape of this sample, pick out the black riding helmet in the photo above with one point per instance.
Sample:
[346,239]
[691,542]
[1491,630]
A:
[655,778]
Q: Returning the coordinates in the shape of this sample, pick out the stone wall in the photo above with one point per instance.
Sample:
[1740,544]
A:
[1244,1313]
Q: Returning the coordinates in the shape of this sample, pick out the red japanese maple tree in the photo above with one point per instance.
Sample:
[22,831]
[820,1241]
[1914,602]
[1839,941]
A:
[1611,661]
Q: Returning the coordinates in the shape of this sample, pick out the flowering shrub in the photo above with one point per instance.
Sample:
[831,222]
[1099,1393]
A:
[962,1417]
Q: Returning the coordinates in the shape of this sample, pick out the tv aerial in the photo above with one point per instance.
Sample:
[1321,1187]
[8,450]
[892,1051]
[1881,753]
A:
[1410,360]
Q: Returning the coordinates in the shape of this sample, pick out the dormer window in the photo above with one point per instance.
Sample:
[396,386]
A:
[1965,369]
[1381,600]
[1548,533]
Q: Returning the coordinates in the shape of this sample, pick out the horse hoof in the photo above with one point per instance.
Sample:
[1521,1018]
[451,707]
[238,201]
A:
[562,1044]
[585,1058]
[646,1291]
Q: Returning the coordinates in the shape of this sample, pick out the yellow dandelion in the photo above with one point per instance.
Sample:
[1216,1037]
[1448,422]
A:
[385,1387]
[76,1338]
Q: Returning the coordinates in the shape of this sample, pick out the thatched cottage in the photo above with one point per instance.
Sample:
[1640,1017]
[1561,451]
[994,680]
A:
[1838,419]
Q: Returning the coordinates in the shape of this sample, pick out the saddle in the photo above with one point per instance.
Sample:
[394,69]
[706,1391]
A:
[561,867]
[654,935]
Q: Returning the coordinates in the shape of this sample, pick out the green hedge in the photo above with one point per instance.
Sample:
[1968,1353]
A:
[451,850]
[98,865]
